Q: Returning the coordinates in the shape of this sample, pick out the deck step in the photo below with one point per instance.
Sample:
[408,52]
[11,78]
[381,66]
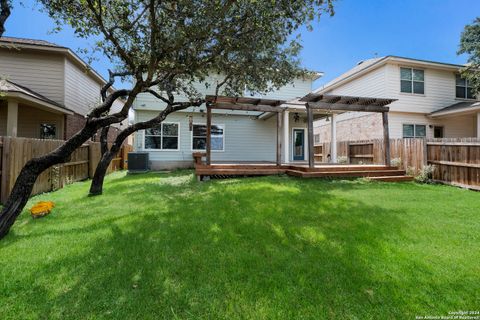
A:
[346,174]
[335,168]
[392,178]
[239,172]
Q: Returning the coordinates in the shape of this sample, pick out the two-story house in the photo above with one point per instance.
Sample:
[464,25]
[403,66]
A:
[432,101]
[45,89]
[237,136]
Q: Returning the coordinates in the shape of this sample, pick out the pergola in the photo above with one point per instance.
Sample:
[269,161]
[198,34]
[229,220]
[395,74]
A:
[340,103]
[244,104]
[313,102]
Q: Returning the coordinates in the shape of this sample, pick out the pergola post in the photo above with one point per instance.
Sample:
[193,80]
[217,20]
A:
[209,134]
[286,135]
[386,138]
[478,125]
[333,134]
[279,138]
[12,118]
[311,153]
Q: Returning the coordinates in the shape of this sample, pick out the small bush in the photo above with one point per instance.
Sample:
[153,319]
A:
[411,171]
[396,162]
[342,160]
[426,174]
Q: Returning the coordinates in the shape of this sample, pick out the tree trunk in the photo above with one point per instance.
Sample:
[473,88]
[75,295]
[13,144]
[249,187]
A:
[33,168]
[104,139]
[96,187]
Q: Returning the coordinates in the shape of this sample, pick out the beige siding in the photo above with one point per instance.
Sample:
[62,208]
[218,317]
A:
[3,118]
[456,127]
[439,91]
[371,84]
[369,126]
[246,139]
[40,72]
[82,93]
[298,88]
[31,118]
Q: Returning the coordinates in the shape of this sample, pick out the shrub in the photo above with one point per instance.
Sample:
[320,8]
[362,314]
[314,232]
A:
[342,160]
[396,162]
[425,175]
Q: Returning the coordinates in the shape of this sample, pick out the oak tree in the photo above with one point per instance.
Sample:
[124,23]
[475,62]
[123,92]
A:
[164,47]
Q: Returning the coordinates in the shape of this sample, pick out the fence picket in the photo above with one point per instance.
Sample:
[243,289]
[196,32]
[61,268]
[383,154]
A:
[15,152]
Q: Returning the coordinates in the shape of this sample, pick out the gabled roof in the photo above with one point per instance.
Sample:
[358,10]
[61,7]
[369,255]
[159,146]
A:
[10,88]
[14,40]
[370,64]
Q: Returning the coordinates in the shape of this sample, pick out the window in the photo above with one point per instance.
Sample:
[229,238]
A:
[414,131]
[48,131]
[162,137]
[316,138]
[463,88]
[412,81]
[199,137]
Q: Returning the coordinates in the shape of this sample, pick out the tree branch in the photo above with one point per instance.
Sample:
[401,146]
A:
[4,14]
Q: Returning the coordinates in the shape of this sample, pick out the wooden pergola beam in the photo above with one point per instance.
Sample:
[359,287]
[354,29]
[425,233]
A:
[346,107]
[246,107]
[386,138]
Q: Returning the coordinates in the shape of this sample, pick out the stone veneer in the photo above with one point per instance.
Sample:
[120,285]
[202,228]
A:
[365,127]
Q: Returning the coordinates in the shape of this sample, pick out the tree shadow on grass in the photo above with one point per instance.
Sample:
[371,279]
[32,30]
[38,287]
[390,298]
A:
[258,248]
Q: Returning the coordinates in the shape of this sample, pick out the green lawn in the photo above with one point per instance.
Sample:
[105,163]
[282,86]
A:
[162,246]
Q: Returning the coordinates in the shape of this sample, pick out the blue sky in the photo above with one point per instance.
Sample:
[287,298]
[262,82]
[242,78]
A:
[424,29]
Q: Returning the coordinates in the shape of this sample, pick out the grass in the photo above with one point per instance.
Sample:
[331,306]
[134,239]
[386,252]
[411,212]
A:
[162,246]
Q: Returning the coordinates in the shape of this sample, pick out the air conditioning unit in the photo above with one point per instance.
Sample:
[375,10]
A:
[138,162]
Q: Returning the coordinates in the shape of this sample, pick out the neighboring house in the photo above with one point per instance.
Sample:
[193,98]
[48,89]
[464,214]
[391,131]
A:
[432,101]
[237,136]
[45,89]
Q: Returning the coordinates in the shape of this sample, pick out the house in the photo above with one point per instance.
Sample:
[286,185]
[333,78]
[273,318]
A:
[45,89]
[433,101]
[236,136]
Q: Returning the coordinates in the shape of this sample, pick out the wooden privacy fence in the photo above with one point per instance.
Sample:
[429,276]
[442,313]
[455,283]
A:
[410,151]
[15,152]
[457,160]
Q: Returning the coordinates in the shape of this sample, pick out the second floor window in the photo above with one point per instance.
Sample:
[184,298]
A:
[412,81]
[463,89]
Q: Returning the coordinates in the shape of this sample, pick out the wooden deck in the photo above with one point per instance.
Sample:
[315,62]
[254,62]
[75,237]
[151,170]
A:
[375,172]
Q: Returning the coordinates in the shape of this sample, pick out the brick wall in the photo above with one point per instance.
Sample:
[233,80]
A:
[75,122]
[359,128]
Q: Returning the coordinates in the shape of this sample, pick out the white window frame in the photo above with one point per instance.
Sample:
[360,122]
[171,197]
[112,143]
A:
[415,130]
[161,137]
[316,139]
[412,81]
[204,124]
[466,90]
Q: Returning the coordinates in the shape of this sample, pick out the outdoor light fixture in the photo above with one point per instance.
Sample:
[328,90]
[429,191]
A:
[190,122]
[296,117]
